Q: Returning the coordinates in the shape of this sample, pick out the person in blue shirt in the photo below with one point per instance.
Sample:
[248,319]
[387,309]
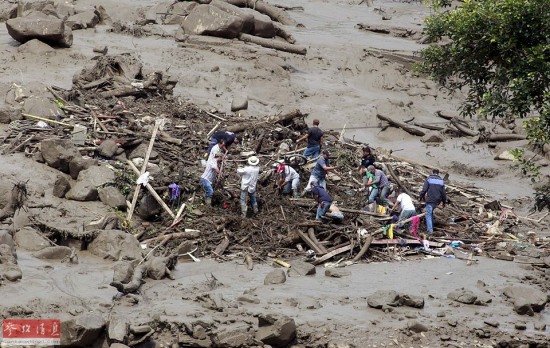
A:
[319,172]
[433,193]
[323,199]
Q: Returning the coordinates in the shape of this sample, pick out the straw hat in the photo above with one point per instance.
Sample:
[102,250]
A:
[253,160]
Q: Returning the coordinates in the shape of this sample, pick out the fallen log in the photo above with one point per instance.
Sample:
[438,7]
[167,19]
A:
[398,182]
[332,254]
[311,234]
[249,262]
[400,124]
[273,12]
[428,126]
[220,249]
[364,249]
[271,119]
[271,43]
[505,137]
[187,234]
[283,33]
[462,128]
[311,243]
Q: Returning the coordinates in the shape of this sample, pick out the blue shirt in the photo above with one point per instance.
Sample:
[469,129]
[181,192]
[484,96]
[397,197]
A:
[319,172]
[323,195]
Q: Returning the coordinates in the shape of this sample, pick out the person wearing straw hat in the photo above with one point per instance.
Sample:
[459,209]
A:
[249,178]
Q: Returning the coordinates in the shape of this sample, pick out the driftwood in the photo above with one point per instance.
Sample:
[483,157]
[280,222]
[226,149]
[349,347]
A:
[332,254]
[272,43]
[364,249]
[428,126]
[272,119]
[188,234]
[311,235]
[249,262]
[220,249]
[399,124]
[462,128]
[273,12]
[505,137]
[311,243]
[398,182]
[283,33]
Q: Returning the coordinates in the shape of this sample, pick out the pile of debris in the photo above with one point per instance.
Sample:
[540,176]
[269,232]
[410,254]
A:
[112,117]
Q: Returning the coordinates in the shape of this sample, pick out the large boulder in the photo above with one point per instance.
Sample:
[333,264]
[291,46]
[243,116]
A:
[8,264]
[148,207]
[6,238]
[28,238]
[212,21]
[83,331]
[37,47]
[116,245]
[61,186]
[86,187]
[83,20]
[108,148]
[247,17]
[277,276]
[58,153]
[526,299]
[7,10]
[462,296]
[50,30]
[381,299]
[301,268]
[53,253]
[8,114]
[79,164]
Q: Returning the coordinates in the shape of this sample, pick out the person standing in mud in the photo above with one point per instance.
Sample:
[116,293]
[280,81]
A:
[314,138]
[433,193]
[210,175]
[319,172]
[249,178]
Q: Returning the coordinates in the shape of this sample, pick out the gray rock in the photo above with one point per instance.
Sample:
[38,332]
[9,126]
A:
[523,295]
[462,296]
[301,268]
[178,12]
[85,189]
[140,151]
[383,298]
[61,186]
[118,328]
[140,329]
[40,106]
[50,30]
[233,335]
[6,238]
[112,197]
[82,331]
[520,326]
[108,148]
[12,273]
[212,21]
[58,153]
[123,271]
[417,327]
[83,20]
[156,267]
[53,253]
[433,137]
[492,323]
[153,14]
[276,332]
[8,114]
[247,17]
[78,164]
[277,276]
[148,207]
[540,326]
[523,307]
[411,301]
[7,10]
[337,272]
[115,245]
[29,239]
[239,103]
[35,46]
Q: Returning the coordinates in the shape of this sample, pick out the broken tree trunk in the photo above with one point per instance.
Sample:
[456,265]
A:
[249,262]
[506,137]
[272,43]
[364,249]
[400,124]
[273,12]
[271,119]
[462,128]
[220,249]
[280,31]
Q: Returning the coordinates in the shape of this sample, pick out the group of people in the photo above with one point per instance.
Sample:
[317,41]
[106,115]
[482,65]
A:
[375,181]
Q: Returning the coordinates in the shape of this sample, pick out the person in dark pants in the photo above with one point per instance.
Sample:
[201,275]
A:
[380,180]
[433,193]
[323,199]
[314,138]
[367,160]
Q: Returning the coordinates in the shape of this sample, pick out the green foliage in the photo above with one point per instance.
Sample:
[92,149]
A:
[542,197]
[526,166]
[498,49]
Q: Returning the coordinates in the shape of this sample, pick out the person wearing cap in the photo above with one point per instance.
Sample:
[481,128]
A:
[314,138]
[319,172]
[367,160]
[209,176]
[323,199]
[381,185]
[433,193]
[225,137]
[290,179]
[249,178]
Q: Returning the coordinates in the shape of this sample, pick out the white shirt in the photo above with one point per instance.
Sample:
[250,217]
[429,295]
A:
[215,150]
[290,174]
[249,178]
[209,173]
[406,202]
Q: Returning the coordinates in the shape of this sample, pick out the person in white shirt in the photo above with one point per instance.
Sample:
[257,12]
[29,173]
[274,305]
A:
[209,176]
[408,210]
[218,148]
[289,179]
[249,179]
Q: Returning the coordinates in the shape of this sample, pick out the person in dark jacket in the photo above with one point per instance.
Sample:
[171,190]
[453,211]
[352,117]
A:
[367,160]
[433,193]
[225,137]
